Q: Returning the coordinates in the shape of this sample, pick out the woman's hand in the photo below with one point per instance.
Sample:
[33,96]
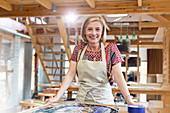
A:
[51,100]
[131,102]
[134,103]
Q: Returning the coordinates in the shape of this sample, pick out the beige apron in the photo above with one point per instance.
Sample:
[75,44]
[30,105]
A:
[94,86]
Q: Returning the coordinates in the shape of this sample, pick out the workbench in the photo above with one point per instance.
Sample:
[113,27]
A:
[122,108]
[164,93]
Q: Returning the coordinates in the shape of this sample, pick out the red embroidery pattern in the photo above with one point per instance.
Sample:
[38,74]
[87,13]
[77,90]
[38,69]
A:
[113,55]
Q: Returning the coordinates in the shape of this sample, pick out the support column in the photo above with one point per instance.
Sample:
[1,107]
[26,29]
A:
[14,93]
[166,56]
[166,66]
[27,70]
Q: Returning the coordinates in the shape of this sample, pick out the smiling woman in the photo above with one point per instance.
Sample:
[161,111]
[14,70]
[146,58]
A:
[95,62]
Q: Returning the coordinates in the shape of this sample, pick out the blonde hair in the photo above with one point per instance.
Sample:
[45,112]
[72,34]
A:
[93,19]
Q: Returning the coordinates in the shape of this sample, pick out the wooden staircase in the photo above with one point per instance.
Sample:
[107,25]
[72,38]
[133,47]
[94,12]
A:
[48,49]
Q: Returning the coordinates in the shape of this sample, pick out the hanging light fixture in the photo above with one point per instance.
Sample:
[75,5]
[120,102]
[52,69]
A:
[121,33]
[127,37]
[121,38]
[133,36]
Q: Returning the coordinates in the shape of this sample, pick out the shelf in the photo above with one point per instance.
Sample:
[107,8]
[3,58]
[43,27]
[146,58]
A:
[132,52]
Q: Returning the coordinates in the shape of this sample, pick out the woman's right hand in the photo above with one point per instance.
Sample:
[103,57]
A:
[51,100]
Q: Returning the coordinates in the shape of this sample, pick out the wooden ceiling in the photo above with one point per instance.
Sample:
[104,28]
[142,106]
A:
[147,17]
[12,8]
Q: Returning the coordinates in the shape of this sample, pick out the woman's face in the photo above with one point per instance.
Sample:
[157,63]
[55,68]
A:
[93,32]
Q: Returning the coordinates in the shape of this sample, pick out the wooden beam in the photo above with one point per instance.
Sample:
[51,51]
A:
[143,44]
[146,39]
[5,5]
[159,17]
[46,3]
[13,25]
[30,31]
[144,31]
[64,35]
[167,16]
[139,3]
[116,31]
[159,34]
[91,3]
[102,7]
[138,74]
[140,20]
[108,28]
[148,46]
[47,35]
[166,56]
[154,24]
[43,25]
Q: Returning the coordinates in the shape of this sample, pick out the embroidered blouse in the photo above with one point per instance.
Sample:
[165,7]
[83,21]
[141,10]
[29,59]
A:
[113,56]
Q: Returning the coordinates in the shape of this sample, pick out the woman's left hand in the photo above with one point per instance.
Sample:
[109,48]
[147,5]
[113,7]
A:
[134,103]
[131,102]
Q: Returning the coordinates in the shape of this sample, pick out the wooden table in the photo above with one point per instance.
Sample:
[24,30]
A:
[43,95]
[165,94]
[29,104]
[61,104]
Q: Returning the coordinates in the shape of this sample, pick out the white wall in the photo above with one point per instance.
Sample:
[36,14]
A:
[12,57]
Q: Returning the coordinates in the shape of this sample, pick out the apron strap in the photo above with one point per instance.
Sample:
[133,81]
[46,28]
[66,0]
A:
[82,54]
[103,52]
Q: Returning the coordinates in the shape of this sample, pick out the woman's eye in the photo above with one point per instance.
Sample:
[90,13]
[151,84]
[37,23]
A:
[89,29]
[97,29]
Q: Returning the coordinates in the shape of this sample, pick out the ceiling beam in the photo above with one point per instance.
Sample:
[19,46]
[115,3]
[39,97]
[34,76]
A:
[159,34]
[140,20]
[154,7]
[167,16]
[13,25]
[107,27]
[91,3]
[147,46]
[5,5]
[154,24]
[146,39]
[143,44]
[116,31]
[46,3]
[139,3]
[159,17]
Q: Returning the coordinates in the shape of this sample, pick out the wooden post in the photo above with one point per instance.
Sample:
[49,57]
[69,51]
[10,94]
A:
[168,54]
[36,75]
[166,57]
[126,64]
[138,74]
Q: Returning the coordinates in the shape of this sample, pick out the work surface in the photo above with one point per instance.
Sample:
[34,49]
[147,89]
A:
[132,89]
[165,93]
[71,107]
